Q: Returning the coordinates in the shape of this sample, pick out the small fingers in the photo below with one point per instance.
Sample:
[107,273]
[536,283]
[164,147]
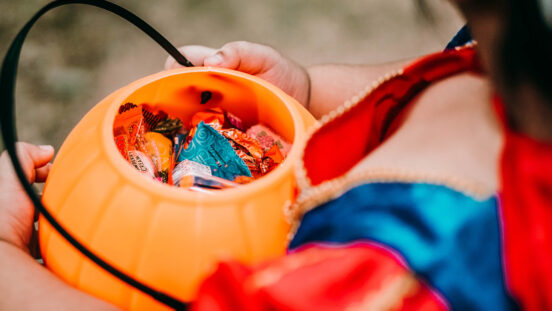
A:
[33,156]
[41,173]
[194,53]
[244,56]
[30,157]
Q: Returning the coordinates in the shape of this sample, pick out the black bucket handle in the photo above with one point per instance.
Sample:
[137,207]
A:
[9,134]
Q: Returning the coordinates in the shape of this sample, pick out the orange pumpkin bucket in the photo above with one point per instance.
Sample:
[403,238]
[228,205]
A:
[162,235]
[162,238]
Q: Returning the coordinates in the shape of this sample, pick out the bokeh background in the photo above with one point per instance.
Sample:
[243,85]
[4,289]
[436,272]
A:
[77,55]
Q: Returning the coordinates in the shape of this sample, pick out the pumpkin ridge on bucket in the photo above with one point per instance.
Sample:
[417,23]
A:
[166,237]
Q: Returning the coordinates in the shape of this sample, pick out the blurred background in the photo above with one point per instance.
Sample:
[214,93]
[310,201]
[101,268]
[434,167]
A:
[77,55]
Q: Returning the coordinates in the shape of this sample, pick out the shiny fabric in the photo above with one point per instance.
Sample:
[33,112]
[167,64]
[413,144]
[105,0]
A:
[526,199]
[447,238]
[363,276]
[378,115]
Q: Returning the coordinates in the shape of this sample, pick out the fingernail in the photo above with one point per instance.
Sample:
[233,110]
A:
[46,147]
[214,60]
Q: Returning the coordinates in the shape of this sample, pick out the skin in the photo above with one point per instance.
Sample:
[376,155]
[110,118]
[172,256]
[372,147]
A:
[24,284]
[465,126]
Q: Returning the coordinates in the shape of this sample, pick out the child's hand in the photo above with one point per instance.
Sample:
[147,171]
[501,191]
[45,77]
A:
[255,59]
[16,209]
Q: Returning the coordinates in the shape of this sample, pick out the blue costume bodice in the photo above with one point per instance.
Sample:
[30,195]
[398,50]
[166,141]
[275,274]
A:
[447,238]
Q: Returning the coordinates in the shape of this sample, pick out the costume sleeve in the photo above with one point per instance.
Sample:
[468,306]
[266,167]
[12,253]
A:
[526,206]
[354,277]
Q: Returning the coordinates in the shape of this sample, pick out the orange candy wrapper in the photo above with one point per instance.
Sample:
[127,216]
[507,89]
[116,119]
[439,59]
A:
[243,180]
[247,148]
[129,122]
[272,158]
[213,117]
[242,139]
[159,149]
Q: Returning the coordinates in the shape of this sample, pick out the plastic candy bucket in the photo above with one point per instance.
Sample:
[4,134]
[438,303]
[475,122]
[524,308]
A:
[166,237]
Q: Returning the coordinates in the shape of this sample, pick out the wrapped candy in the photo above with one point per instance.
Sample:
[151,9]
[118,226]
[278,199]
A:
[267,138]
[272,158]
[214,153]
[141,162]
[121,141]
[234,121]
[247,148]
[242,139]
[159,149]
[168,127]
[210,148]
[250,161]
[243,180]
[129,122]
[188,168]
[179,140]
[214,117]
[152,119]
[209,182]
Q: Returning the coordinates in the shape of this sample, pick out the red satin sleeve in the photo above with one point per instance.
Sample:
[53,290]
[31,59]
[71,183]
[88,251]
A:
[319,278]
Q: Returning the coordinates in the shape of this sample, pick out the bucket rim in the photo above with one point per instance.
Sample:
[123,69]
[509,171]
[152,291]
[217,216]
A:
[134,177]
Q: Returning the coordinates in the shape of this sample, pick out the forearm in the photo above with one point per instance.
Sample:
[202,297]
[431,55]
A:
[332,85]
[26,285]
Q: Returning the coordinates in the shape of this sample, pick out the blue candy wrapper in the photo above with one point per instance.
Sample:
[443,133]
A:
[210,148]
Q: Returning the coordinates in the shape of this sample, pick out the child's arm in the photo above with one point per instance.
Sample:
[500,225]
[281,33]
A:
[24,284]
[319,88]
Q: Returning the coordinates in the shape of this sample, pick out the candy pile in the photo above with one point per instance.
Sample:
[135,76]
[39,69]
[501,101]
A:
[213,152]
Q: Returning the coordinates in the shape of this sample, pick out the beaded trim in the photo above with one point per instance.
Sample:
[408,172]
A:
[311,196]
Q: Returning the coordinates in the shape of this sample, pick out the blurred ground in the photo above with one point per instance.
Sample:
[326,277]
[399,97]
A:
[77,55]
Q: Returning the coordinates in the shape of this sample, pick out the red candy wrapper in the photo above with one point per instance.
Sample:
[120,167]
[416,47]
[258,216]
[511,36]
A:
[121,141]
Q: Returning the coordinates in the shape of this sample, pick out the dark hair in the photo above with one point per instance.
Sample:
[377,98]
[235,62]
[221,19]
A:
[526,53]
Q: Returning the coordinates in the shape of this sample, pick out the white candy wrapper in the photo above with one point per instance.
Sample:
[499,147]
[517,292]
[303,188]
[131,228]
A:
[187,168]
[141,162]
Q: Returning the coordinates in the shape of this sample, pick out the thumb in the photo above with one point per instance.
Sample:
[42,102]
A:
[194,53]
[31,158]
[244,56]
